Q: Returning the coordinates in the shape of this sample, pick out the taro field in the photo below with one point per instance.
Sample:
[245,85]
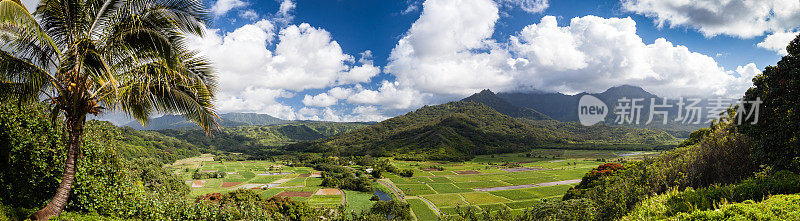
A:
[269,179]
[487,183]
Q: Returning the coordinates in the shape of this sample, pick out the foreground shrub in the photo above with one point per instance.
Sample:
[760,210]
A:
[690,200]
[780,207]
[722,157]
[548,209]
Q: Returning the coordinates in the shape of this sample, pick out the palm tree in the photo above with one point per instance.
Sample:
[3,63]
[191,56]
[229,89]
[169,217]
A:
[90,56]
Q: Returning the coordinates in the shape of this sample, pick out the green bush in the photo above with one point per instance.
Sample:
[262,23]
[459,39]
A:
[551,209]
[691,200]
[721,157]
[31,146]
[780,207]
[777,133]
[395,209]
[198,175]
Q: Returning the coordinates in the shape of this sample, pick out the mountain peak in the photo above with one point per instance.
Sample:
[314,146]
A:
[491,99]
[628,89]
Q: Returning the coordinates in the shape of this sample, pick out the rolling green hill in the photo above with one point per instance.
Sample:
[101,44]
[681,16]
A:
[173,144]
[459,130]
[250,139]
[226,120]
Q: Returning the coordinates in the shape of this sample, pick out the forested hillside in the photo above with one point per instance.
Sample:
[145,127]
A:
[256,139]
[459,130]
[149,144]
[488,98]
[225,120]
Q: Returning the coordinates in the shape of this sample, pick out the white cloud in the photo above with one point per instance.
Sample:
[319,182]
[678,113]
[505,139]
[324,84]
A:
[366,114]
[741,18]
[438,54]
[390,95]
[284,15]
[366,57]
[357,114]
[320,100]
[595,53]
[222,7]
[304,58]
[412,6]
[258,100]
[307,113]
[249,14]
[778,41]
[448,51]
[530,6]
[252,77]
[340,93]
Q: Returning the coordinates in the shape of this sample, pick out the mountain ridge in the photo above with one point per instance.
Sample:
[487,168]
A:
[226,120]
[489,98]
[459,130]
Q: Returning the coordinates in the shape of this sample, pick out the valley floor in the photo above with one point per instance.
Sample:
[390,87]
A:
[437,189]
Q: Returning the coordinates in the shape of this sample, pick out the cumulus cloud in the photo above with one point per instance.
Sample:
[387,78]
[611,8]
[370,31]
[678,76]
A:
[249,14]
[595,53]
[320,100]
[390,94]
[357,114]
[448,51]
[530,6]
[256,100]
[741,18]
[222,7]
[303,58]
[778,41]
[284,15]
[366,114]
[340,93]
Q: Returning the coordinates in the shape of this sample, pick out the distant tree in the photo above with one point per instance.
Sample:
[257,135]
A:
[84,57]
[407,173]
[777,132]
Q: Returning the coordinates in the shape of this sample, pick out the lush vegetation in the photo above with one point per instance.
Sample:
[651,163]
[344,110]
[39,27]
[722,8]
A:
[226,120]
[460,130]
[777,132]
[111,187]
[261,141]
[488,98]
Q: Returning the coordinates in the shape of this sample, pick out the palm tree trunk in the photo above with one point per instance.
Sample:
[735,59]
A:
[74,128]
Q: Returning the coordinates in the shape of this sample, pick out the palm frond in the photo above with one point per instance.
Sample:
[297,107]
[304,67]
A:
[21,34]
[21,80]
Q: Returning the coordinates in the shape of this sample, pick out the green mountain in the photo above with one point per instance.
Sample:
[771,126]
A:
[252,139]
[489,98]
[460,130]
[252,119]
[173,144]
[564,107]
[136,144]
[226,120]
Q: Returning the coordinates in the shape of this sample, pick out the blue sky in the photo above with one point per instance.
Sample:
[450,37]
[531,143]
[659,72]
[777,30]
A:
[367,60]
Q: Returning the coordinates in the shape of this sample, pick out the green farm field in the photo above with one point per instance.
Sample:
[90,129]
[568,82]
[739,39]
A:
[488,182]
[492,182]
